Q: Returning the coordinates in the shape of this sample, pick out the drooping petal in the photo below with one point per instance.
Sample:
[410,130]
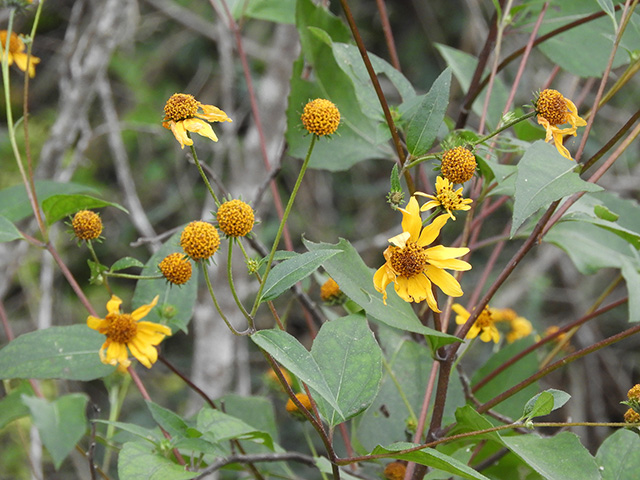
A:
[213,114]
[154,333]
[400,240]
[142,311]
[447,283]
[429,205]
[116,353]
[411,221]
[96,323]
[140,351]
[473,331]
[462,316]
[113,305]
[21,62]
[559,143]
[430,232]
[380,281]
[180,133]
[575,119]
[200,127]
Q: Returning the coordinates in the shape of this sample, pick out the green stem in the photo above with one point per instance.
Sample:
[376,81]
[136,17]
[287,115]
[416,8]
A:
[403,396]
[504,127]
[117,395]
[202,174]
[132,276]
[416,161]
[215,302]
[95,259]
[233,289]
[285,216]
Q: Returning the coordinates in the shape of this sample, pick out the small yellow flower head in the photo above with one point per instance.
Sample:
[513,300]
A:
[330,291]
[484,324]
[395,471]
[273,382]
[520,328]
[175,268]
[235,218]
[86,225]
[554,109]
[17,53]
[446,198]
[458,165]
[320,117]
[631,416]
[182,116]
[634,393]
[200,240]
[292,408]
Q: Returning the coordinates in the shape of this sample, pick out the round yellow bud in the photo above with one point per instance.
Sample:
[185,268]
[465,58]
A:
[235,218]
[458,165]
[86,225]
[175,268]
[320,117]
[200,240]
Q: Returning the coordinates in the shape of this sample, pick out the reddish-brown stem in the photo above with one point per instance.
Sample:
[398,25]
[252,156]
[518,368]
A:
[186,380]
[388,34]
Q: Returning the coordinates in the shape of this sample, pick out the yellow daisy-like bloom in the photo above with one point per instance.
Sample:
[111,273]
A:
[634,393]
[126,331]
[320,117]
[200,240]
[484,324]
[330,291]
[182,116]
[175,268]
[631,416]
[411,266]
[458,165]
[395,471]
[86,225]
[554,109]
[235,218]
[446,198]
[17,53]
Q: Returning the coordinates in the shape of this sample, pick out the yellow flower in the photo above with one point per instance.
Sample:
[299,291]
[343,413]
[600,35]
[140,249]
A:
[484,324]
[554,109]
[458,165]
[182,116]
[292,408]
[520,328]
[320,117]
[86,225]
[395,471]
[330,292]
[634,393]
[235,218]
[200,240]
[124,330]
[411,266]
[17,53]
[631,416]
[176,268]
[446,198]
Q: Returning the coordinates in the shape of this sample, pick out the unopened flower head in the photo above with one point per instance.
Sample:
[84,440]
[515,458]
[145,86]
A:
[292,408]
[631,416]
[126,331]
[446,198]
[411,266]
[554,109]
[182,115]
[330,292]
[320,117]
[17,53]
[484,324]
[176,268]
[235,218]
[458,165]
[395,471]
[200,240]
[86,225]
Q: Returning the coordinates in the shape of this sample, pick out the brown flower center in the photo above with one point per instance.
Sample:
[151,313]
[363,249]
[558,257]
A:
[409,261]
[320,117]
[122,327]
[458,165]
[449,199]
[552,106]
[235,218]
[181,106]
[484,319]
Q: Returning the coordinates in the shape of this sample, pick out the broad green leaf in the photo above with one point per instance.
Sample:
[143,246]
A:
[289,272]
[256,411]
[290,353]
[217,427]
[468,420]
[504,175]
[280,11]
[351,360]
[61,423]
[544,403]
[631,274]
[56,352]
[12,407]
[324,465]
[607,7]
[58,207]
[152,436]
[8,231]
[171,422]
[619,456]
[138,460]
[544,176]
[425,123]
[176,301]
[431,458]
[126,262]
[14,203]
[356,281]
[559,457]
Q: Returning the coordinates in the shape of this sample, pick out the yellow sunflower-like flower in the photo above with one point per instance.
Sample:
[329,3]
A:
[17,53]
[520,328]
[182,116]
[446,197]
[411,266]
[484,324]
[554,109]
[125,330]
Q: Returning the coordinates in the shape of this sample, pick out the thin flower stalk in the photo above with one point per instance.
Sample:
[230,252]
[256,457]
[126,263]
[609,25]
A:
[205,271]
[203,175]
[232,287]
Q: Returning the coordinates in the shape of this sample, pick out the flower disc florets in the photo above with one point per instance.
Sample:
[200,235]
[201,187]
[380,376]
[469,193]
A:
[409,260]
[330,291]
[235,218]
[320,117]
[552,105]
[395,471]
[200,240]
[631,416]
[175,268]
[86,225]
[181,106]
[634,393]
[458,165]
[303,398]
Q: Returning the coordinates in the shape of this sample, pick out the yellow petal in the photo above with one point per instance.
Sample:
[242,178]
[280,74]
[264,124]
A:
[429,205]
[113,305]
[575,119]
[213,114]
[562,150]
[380,281]
[452,264]
[447,283]
[116,353]
[473,331]
[95,323]
[400,240]
[142,311]
[200,127]
[411,221]
[154,332]
[141,355]
[462,316]
[180,133]
[430,232]
[440,252]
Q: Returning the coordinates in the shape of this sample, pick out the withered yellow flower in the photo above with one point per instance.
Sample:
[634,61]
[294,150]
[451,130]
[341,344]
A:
[554,109]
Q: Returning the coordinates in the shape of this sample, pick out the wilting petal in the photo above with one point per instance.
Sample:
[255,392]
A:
[575,119]
[431,232]
[141,351]
[400,240]
[113,305]
[411,221]
[380,281]
[116,353]
[462,314]
[559,143]
[180,133]
[152,332]
[200,127]
[142,311]
[447,283]
[213,114]
[96,323]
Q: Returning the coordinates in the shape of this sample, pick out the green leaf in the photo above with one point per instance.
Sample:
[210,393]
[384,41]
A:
[425,123]
[431,458]
[152,436]
[290,353]
[14,203]
[544,403]
[12,407]
[124,263]
[468,420]
[289,272]
[604,213]
[138,460]
[179,299]
[607,7]
[395,179]
[56,352]
[544,176]
[217,427]
[8,231]
[619,456]
[280,11]
[61,423]
[356,281]
[172,423]
[351,360]
[559,457]
[57,207]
